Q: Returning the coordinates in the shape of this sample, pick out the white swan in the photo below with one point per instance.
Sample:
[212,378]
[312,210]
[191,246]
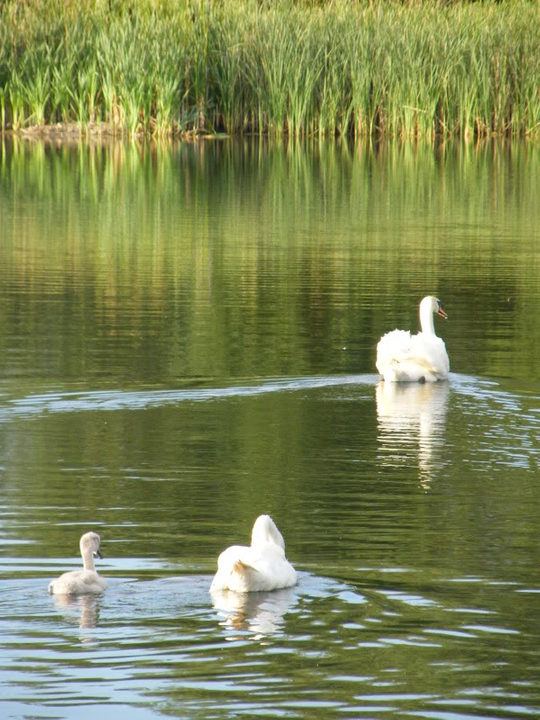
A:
[402,357]
[86,581]
[263,566]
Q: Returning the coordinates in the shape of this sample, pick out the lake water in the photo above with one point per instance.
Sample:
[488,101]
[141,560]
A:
[187,340]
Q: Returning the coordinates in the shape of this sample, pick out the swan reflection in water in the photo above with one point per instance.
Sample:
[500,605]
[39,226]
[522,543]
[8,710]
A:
[85,607]
[261,613]
[411,422]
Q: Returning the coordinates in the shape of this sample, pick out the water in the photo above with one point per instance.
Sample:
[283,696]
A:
[187,339]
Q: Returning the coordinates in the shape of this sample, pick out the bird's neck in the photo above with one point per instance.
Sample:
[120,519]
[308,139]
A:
[426,320]
[88,559]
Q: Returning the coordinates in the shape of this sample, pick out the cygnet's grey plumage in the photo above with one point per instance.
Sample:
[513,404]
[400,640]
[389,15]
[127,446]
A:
[85,581]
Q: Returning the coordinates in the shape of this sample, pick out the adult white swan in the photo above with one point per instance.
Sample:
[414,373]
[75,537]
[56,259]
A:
[263,566]
[402,357]
[86,581]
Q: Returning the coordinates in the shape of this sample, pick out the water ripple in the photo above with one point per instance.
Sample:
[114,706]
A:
[169,641]
[38,404]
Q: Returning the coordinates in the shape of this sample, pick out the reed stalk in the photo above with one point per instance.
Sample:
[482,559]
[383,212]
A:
[368,69]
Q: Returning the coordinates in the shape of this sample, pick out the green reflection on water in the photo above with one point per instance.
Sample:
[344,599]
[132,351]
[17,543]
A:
[151,264]
[187,339]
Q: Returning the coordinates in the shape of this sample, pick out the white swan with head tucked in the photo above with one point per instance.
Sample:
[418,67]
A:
[402,357]
[86,581]
[262,566]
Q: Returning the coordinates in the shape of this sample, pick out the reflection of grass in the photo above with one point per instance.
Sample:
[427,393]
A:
[270,235]
[383,68]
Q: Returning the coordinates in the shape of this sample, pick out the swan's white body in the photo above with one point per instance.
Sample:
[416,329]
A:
[262,566]
[402,357]
[85,581]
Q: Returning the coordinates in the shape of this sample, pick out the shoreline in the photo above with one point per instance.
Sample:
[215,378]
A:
[75,132]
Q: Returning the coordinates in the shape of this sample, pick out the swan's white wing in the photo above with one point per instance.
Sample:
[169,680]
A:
[429,351]
[402,357]
[245,569]
[394,345]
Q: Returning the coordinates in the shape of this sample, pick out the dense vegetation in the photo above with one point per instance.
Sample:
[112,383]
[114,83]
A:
[384,68]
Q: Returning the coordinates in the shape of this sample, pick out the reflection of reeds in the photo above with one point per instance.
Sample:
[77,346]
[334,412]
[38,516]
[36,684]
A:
[383,68]
[137,242]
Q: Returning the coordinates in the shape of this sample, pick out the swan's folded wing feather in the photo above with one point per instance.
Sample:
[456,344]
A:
[244,569]
[420,362]
[240,566]
[394,346]
[405,357]
[429,351]
[426,358]
[229,556]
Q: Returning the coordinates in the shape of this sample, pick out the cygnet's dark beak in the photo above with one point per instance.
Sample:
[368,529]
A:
[97,553]
[441,311]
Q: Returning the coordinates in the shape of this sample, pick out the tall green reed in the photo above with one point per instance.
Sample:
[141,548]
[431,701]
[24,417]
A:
[403,70]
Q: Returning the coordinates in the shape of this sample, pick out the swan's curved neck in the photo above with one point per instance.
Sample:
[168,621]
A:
[88,558]
[426,319]
[265,531]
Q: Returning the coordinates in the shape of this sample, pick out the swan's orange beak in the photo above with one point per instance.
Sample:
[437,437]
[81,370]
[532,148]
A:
[441,312]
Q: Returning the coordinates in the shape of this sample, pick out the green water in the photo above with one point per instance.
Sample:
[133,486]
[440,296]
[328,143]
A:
[187,340]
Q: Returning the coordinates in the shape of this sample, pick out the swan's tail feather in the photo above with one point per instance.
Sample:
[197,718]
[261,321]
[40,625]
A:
[416,368]
[241,567]
[412,360]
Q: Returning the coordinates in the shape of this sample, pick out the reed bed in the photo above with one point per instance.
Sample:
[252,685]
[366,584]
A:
[381,68]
